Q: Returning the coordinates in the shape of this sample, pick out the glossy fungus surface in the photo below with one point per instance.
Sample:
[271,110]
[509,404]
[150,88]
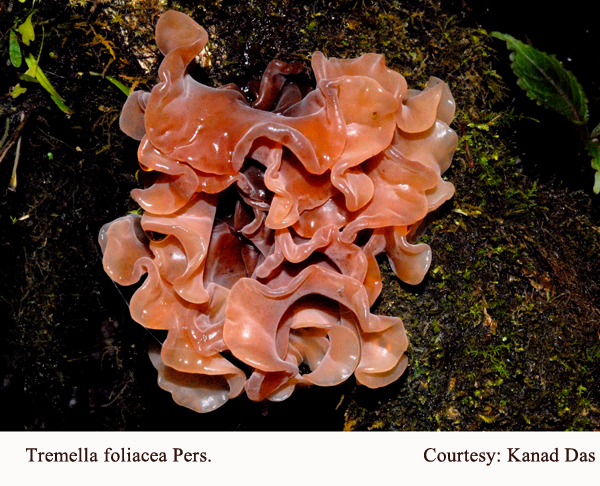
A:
[262,224]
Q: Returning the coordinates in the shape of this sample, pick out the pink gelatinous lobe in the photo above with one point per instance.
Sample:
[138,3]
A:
[264,219]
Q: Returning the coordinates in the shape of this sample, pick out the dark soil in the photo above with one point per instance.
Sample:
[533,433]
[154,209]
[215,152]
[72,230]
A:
[504,330]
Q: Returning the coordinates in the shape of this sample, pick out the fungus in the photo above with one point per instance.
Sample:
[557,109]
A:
[271,215]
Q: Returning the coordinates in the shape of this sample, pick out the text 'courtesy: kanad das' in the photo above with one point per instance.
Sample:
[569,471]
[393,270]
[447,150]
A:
[512,454]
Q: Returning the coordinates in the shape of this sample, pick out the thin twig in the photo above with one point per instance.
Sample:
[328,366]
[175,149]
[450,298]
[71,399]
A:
[16,133]
[13,178]
[7,147]
[5,136]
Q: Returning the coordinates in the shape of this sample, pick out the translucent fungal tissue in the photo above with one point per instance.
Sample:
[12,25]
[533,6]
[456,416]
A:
[263,221]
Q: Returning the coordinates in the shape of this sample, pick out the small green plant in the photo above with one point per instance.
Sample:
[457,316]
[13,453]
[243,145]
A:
[547,82]
[34,73]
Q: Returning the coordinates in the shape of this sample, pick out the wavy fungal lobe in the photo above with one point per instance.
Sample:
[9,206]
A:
[261,228]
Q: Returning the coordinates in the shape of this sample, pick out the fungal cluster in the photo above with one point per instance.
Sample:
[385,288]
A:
[263,220]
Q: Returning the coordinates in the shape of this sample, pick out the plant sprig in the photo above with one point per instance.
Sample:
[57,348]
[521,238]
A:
[34,73]
[546,81]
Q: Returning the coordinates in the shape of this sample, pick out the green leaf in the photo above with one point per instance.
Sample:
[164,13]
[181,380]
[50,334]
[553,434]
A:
[14,50]
[35,71]
[26,30]
[17,91]
[28,78]
[546,81]
[116,82]
[595,132]
[119,85]
[61,103]
[593,147]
